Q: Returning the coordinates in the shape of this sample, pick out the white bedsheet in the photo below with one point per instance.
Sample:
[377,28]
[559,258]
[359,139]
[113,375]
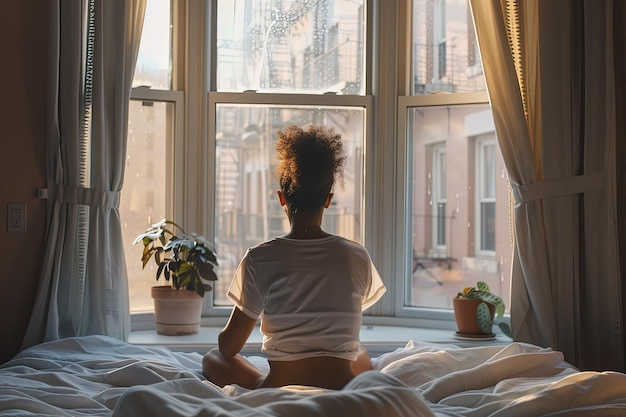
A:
[101,376]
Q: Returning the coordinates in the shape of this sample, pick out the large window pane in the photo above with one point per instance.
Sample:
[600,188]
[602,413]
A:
[143,198]
[291,46]
[149,174]
[472,209]
[444,49]
[246,205]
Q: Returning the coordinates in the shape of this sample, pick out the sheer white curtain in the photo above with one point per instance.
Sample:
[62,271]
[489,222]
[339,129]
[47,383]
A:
[551,78]
[83,284]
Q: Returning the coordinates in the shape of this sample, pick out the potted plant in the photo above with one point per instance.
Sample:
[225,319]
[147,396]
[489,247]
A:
[188,261]
[476,308]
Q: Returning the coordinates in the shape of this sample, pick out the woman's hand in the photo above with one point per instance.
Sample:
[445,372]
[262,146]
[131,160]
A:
[363,362]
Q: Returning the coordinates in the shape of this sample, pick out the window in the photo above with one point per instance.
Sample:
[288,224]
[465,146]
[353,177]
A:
[458,207]
[439,39]
[154,128]
[486,197]
[148,183]
[311,47]
[439,195]
[203,155]
[296,62]
[246,202]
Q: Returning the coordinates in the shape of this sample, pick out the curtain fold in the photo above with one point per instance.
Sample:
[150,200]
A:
[550,75]
[83,285]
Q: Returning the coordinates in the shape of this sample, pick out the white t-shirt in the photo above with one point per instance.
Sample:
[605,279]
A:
[310,294]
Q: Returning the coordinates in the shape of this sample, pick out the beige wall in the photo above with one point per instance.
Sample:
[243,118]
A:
[23,44]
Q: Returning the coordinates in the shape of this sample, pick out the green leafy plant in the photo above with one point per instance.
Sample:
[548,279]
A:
[187,258]
[485,321]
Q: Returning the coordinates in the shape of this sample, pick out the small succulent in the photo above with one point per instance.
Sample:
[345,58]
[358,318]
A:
[485,322]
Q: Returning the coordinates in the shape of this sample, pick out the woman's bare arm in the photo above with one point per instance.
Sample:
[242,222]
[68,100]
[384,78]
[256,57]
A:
[236,332]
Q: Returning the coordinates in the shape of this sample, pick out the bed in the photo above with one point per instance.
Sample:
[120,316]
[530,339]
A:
[102,376]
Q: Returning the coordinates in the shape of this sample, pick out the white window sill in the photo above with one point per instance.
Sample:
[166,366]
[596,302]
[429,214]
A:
[377,339]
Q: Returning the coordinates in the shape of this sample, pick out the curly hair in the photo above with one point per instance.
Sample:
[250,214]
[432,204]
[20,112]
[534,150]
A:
[309,163]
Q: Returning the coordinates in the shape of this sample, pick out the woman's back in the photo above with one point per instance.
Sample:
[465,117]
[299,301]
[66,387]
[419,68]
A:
[311,293]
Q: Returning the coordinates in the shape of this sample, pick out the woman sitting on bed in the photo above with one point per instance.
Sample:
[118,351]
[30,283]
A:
[309,287]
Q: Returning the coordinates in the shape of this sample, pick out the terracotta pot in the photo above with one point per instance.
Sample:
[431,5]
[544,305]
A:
[465,315]
[176,312]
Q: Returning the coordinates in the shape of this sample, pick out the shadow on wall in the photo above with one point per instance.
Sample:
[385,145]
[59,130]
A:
[23,41]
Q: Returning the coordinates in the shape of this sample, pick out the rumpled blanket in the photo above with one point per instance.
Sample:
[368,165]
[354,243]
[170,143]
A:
[102,376]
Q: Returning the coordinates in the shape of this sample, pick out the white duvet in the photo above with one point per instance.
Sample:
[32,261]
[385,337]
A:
[101,376]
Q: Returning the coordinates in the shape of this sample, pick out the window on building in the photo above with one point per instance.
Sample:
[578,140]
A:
[486,196]
[439,39]
[439,197]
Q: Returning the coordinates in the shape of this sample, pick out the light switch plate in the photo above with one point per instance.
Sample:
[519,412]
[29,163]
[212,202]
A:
[16,217]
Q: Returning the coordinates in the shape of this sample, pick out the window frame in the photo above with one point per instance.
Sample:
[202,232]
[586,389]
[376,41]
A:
[215,98]
[386,160]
